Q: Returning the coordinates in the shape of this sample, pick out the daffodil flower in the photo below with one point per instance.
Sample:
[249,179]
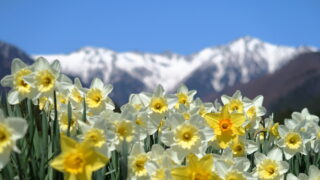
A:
[235,103]
[11,129]
[137,163]
[78,160]
[44,78]
[100,137]
[232,171]
[196,169]
[226,126]
[186,136]
[270,167]
[184,96]
[292,141]
[20,88]
[97,99]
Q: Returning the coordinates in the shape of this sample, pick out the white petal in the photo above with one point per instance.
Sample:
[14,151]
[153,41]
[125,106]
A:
[97,83]
[159,91]
[258,157]
[7,81]
[13,97]
[291,177]
[225,99]
[314,172]
[4,157]
[276,154]
[221,168]
[282,130]
[137,149]
[284,167]
[18,125]
[17,64]
[56,67]
[258,100]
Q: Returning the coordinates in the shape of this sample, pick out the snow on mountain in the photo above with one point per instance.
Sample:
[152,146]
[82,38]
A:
[210,70]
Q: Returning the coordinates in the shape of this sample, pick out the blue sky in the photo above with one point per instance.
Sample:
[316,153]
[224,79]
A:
[184,27]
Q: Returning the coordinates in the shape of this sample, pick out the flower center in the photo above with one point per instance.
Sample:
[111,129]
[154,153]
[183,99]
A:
[268,169]
[139,165]
[293,140]
[94,98]
[158,104]
[74,163]
[124,130]
[19,83]
[186,136]
[45,81]
[5,137]
[95,136]
[225,125]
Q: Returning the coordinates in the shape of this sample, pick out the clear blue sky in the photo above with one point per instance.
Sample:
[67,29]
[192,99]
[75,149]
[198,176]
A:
[155,26]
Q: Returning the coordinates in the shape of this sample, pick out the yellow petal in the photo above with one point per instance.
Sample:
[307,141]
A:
[96,160]
[224,140]
[180,173]
[237,119]
[67,143]
[57,163]
[213,120]
[206,162]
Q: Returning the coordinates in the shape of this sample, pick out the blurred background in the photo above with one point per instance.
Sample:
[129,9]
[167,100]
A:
[267,47]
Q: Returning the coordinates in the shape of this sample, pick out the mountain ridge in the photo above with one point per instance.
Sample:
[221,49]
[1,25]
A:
[214,68]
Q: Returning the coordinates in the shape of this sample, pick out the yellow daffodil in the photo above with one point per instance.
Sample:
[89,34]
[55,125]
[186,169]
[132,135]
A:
[196,169]
[78,160]
[226,125]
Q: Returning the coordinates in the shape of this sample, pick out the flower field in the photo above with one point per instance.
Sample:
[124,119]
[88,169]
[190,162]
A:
[53,128]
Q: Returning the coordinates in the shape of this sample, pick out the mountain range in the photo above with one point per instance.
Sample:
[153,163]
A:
[211,70]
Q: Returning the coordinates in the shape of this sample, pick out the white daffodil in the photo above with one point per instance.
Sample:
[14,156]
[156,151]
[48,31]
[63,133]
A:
[124,130]
[203,108]
[230,159]
[314,173]
[235,103]
[231,172]
[136,102]
[150,123]
[158,102]
[160,163]
[186,136]
[44,78]
[64,120]
[98,134]
[272,128]
[73,92]
[11,129]
[140,120]
[97,99]
[305,116]
[292,141]
[241,146]
[316,142]
[270,167]
[137,163]
[253,111]
[20,88]
[301,176]
[184,96]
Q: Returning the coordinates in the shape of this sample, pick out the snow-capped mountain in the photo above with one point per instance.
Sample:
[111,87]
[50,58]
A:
[209,70]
